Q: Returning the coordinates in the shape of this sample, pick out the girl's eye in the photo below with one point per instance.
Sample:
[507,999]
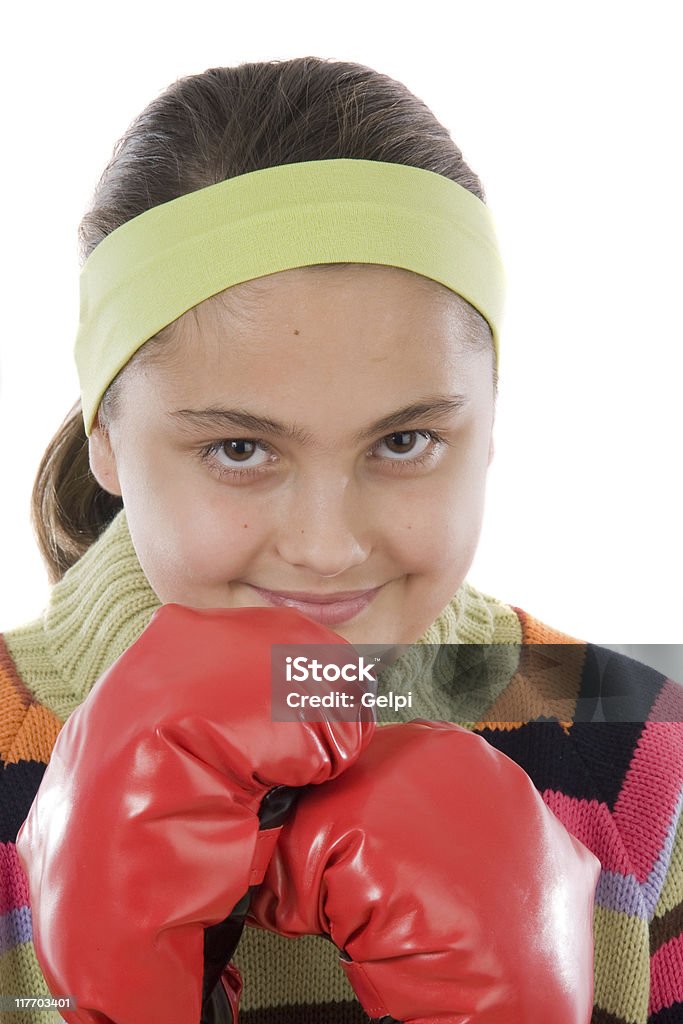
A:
[402,442]
[238,449]
[233,457]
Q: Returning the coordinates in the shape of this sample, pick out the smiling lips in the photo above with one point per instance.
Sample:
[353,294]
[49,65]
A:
[328,609]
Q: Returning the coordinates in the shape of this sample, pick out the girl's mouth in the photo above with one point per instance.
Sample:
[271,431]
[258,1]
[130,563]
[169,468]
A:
[329,609]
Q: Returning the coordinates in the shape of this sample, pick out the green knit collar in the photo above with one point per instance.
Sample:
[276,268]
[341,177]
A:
[104,602]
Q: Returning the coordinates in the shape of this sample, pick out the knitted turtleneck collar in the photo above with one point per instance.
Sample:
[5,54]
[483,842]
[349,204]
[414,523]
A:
[103,603]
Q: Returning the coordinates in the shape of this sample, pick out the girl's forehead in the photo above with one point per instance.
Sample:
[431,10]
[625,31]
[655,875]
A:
[311,326]
[328,359]
[376,284]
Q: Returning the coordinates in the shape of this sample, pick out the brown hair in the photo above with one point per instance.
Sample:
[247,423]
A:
[201,130]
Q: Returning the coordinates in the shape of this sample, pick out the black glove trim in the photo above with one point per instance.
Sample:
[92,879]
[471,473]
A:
[221,940]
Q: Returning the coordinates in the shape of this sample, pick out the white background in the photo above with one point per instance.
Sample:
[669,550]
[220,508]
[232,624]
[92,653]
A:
[571,116]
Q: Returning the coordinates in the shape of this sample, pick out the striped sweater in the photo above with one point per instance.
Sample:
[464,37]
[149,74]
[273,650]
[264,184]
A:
[600,735]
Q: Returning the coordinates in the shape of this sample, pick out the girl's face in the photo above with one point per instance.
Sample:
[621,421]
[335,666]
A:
[311,433]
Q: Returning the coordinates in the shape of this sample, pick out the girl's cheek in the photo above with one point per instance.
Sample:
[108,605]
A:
[225,543]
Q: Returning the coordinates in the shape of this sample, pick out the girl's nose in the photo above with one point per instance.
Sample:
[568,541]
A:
[323,530]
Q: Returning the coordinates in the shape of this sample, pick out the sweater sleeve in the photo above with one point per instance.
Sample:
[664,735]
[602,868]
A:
[666,922]
[626,804]
[666,942]
[647,813]
[27,732]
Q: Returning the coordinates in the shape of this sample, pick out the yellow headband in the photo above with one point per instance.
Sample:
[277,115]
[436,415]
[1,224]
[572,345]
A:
[155,267]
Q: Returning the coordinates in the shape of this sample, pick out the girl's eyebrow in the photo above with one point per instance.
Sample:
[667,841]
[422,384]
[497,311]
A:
[241,419]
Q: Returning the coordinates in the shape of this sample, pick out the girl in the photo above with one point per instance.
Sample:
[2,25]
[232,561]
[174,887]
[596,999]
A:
[316,434]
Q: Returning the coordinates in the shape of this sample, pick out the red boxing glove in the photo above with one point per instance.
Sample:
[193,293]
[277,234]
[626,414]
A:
[144,834]
[452,892]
